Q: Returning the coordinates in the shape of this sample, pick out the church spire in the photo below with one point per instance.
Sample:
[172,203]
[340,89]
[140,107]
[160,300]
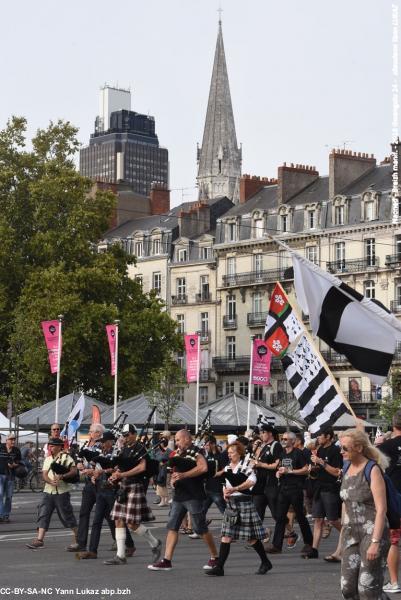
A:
[219,158]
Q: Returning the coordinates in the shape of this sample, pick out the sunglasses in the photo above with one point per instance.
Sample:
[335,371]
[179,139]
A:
[285,439]
[345,449]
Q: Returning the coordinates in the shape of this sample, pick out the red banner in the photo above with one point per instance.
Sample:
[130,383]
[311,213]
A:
[191,350]
[51,331]
[96,416]
[261,363]
[111,336]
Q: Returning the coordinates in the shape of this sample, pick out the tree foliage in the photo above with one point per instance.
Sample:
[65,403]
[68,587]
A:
[391,403]
[50,224]
[164,390]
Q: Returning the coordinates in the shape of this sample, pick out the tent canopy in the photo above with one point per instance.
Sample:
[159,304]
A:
[46,412]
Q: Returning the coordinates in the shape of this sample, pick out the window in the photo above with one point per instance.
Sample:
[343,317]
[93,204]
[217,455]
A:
[156,246]
[258,393]
[284,260]
[369,210]
[181,287]
[369,289]
[139,249]
[243,388]
[204,287]
[231,232]
[397,294]
[230,347]
[231,265]
[203,394]
[339,249]
[370,252]
[259,228]
[257,302]
[139,279]
[311,219]
[339,215]
[180,394]
[204,322]
[181,323]
[231,307]
[182,255]
[157,282]
[205,252]
[258,263]
[229,387]
[398,245]
[284,223]
[311,254]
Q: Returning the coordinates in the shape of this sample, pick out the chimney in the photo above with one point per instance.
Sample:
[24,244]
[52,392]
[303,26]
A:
[194,221]
[159,198]
[249,185]
[293,179]
[345,167]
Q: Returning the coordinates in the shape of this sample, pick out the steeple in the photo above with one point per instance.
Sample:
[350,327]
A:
[219,158]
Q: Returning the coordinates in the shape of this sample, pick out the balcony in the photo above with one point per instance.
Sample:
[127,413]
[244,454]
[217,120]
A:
[230,322]
[256,319]
[205,337]
[393,260]
[254,277]
[180,299]
[280,398]
[361,397]
[332,357]
[203,297]
[205,375]
[239,363]
[395,306]
[354,265]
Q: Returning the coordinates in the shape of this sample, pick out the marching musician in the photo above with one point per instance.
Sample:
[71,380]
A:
[89,491]
[130,507]
[56,493]
[241,520]
[189,470]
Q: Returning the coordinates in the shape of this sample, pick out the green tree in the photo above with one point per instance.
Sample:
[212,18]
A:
[164,390]
[50,224]
[391,403]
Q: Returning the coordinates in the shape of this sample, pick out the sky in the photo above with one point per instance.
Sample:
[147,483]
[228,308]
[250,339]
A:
[305,75]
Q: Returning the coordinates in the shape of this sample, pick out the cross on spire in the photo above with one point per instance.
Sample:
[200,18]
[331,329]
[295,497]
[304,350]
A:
[220,10]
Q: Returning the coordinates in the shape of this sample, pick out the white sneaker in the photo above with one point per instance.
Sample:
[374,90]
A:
[194,536]
[392,588]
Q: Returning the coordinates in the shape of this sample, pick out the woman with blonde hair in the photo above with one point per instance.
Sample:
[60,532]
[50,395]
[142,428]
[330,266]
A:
[365,535]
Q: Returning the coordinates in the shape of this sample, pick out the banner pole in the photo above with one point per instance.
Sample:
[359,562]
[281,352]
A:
[60,320]
[248,418]
[198,333]
[116,372]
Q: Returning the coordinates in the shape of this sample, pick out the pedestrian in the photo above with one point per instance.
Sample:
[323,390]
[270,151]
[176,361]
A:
[10,459]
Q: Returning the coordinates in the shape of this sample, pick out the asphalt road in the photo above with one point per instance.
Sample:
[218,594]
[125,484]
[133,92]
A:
[53,572]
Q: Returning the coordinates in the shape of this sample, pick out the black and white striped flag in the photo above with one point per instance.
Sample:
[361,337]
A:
[313,386]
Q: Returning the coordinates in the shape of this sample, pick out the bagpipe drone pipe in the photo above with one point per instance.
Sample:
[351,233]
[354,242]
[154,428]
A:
[61,468]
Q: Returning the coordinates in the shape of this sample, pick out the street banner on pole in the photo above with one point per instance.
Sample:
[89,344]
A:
[51,331]
[111,336]
[261,363]
[191,350]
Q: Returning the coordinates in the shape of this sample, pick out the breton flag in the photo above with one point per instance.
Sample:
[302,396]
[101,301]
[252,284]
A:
[314,387]
[282,326]
[75,419]
[361,329]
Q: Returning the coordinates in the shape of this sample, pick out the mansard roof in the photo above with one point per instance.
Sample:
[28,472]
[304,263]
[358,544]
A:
[379,178]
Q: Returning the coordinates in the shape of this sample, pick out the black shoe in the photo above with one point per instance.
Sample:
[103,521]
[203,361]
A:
[270,549]
[264,568]
[313,553]
[215,572]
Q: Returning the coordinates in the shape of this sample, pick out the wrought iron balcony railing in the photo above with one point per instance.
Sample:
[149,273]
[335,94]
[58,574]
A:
[395,306]
[393,260]
[180,299]
[353,265]
[230,322]
[203,297]
[256,319]
[254,277]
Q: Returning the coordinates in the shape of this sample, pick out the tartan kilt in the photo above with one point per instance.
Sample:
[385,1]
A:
[136,509]
[249,526]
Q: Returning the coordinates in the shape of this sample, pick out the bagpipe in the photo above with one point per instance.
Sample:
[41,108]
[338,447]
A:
[61,468]
[187,460]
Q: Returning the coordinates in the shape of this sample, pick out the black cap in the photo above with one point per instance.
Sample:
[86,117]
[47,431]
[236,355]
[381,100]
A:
[267,427]
[107,435]
[55,442]
[129,428]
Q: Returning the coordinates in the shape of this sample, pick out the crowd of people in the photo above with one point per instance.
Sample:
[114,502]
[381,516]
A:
[329,482]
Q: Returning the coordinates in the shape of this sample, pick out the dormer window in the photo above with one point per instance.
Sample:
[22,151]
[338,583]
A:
[370,206]
[312,216]
[231,232]
[340,210]
[205,252]
[138,249]
[284,223]
[156,247]
[284,219]
[339,215]
[259,228]
[182,255]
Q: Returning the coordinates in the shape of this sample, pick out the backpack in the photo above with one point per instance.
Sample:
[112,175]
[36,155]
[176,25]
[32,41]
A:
[392,495]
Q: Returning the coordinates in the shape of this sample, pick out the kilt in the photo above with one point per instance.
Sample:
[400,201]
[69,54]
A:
[249,526]
[136,509]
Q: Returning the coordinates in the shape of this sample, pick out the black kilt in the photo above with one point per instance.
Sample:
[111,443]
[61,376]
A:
[249,525]
[136,509]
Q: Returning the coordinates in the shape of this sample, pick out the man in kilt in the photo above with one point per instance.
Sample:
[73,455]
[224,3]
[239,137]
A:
[130,507]
[241,520]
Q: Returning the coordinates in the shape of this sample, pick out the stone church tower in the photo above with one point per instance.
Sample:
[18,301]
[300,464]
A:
[219,158]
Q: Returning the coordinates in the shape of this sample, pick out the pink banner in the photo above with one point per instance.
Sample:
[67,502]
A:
[261,363]
[111,336]
[191,350]
[51,331]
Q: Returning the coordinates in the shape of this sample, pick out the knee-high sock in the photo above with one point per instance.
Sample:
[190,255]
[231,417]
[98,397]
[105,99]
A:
[120,540]
[145,532]
[259,549]
[224,551]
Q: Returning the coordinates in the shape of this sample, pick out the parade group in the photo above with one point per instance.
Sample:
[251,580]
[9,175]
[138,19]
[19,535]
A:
[331,482]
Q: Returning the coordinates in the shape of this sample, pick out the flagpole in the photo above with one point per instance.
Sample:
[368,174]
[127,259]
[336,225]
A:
[116,322]
[60,320]
[324,363]
[198,333]
[248,418]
